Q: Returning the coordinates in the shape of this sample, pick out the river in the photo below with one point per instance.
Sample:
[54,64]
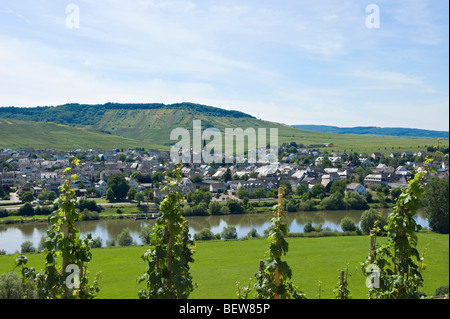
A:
[13,235]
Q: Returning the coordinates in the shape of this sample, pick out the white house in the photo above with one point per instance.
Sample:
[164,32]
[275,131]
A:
[356,187]
[101,187]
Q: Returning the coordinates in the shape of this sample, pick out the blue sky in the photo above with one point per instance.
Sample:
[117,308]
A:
[294,62]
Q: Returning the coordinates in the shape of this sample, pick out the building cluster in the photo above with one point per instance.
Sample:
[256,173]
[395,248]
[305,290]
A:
[41,170]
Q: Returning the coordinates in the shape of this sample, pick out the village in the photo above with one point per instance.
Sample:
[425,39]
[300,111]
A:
[36,171]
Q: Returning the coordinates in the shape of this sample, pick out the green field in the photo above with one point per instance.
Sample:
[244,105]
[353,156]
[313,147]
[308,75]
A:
[40,135]
[219,265]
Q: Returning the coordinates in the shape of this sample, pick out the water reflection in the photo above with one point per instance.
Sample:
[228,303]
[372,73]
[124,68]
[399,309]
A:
[13,235]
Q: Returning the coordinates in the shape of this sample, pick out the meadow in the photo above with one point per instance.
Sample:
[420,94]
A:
[218,265]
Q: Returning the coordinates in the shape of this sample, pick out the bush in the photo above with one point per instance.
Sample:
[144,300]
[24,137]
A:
[3,213]
[27,247]
[347,224]
[125,239]
[215,208]
[235,206]
[204,234]
[253,233]
[11,286]
[26,210]
[355,200]
[307,205]
[89,215]
[229,233]
[145,233]
[96,242]
[441,291]
[88,204]
[308,228]
[334,202]
[200,210]
[368,219]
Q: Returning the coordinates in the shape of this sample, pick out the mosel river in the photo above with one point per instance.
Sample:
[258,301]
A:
[13,235]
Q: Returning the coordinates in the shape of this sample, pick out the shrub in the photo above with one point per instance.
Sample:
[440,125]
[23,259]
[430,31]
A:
[145,233]
[125,239]
[215,208]
[3,213]
[253,233]
[26,210]
[11,286]
[27,247]
[308,228]
[88,204]
[229,233]
[368,219]
[96,242]
[204,234]
[89,215]
[347,224]
[200,210]
[441,290]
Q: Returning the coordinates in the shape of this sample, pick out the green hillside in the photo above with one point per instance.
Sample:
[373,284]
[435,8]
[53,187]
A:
[152,124]
[59,137]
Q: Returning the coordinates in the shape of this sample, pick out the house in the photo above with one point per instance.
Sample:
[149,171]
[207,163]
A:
[356,187]
[402,170]
[376,155]
[406,154]
[251,185]
[375,180]
[101,187]
[216,186]
[365,162]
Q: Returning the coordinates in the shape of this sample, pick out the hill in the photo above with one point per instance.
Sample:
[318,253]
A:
[59,137]
[373,130]
[151,124]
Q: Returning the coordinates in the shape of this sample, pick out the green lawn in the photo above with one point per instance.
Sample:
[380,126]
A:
[219,265]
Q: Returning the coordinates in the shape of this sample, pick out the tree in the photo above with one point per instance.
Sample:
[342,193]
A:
[26,210]
[334,202]
[259,193]
[229,232]
[26,197]
[168,274]
[436,204]
[119,186]
[131,193]
[241,192]
[109,195]
[368,219]
[318,191]
[300,190]
[338,186]
[125,239]
[355,200]
[347,224]
[140,197]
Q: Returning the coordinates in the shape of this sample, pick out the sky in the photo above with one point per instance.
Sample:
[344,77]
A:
[329,62]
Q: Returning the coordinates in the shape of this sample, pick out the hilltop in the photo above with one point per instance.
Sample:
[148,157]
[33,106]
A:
[149,125]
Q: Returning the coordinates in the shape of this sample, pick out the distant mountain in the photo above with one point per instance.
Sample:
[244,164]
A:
[373,130]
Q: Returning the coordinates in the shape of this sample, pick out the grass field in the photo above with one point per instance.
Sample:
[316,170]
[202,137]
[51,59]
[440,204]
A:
[219,265]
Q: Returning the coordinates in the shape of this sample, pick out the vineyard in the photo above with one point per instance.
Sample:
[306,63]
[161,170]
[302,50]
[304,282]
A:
[175,267]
